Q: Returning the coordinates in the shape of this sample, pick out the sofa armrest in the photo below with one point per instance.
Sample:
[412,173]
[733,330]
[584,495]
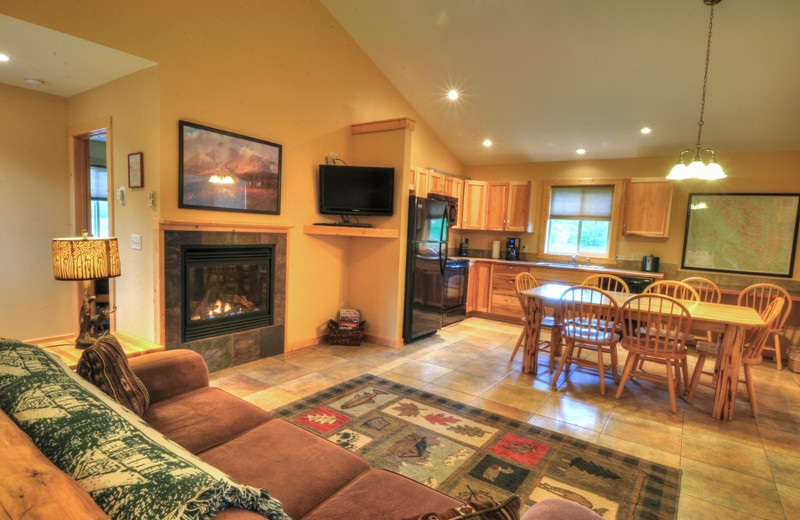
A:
[32,487]
[171,372]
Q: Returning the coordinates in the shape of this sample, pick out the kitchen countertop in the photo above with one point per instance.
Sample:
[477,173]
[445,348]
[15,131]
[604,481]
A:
[568,267]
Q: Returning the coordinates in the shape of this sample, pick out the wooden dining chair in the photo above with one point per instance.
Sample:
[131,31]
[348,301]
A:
[751,355]
[707,291]
[758,297]
[589,318]
[607,282]
[655,328]
[673,289]
[525,281]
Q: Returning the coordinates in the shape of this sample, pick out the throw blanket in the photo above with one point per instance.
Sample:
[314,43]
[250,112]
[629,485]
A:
[129,469]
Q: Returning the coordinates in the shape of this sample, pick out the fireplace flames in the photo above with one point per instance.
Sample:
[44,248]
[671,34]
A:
[225,306]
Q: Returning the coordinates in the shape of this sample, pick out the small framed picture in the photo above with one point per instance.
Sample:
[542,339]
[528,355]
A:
[136,170]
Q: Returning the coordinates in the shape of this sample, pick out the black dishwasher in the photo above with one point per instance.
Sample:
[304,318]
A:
[637,284]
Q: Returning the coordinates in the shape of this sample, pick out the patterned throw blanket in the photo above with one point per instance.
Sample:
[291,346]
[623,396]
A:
[130,470]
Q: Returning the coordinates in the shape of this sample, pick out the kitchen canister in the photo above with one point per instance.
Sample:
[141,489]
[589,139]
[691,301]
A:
[496,249]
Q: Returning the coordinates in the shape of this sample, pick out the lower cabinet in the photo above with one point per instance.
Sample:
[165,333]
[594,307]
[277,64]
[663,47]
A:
[479,286]
[504,300]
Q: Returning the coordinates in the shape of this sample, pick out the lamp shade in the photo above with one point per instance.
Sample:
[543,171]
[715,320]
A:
[85,258]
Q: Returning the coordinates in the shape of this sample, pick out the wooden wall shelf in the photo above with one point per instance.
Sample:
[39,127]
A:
[344,231]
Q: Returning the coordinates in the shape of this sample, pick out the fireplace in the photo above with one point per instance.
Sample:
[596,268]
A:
[226,289]
[252,283]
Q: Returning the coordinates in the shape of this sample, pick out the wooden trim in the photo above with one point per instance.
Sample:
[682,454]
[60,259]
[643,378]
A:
[199,225]
[345,231]
[385,125]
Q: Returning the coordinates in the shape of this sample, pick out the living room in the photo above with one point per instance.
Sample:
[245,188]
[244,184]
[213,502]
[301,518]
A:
[284,72]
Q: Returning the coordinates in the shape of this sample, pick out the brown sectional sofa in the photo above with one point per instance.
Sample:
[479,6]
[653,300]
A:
[312,477]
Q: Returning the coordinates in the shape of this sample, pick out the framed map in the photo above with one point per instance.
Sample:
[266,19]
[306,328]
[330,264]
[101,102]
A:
[743,233]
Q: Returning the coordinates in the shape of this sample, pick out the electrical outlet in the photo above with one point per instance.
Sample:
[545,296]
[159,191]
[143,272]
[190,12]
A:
[331,158]
[136,242]
[524,248]
[620,257]
[151,199]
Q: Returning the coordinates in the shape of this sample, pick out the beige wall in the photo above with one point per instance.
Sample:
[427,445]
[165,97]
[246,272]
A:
[281,71]
[34,208]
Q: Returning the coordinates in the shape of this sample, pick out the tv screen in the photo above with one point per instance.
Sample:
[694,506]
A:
[356,190]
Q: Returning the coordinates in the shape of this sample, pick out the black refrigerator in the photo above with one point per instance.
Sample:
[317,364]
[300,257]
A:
[436,285]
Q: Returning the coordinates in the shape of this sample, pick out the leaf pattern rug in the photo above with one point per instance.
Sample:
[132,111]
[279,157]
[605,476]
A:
[462,450]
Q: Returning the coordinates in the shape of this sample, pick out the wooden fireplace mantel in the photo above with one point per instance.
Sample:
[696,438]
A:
[199,225]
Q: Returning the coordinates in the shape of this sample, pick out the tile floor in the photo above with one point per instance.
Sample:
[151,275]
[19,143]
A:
[744,469]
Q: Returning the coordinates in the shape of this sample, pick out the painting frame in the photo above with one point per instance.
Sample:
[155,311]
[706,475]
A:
[742,233]
[136,170]
[226,171]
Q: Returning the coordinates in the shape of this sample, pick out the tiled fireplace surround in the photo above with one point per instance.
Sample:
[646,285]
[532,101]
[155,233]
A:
[233,349]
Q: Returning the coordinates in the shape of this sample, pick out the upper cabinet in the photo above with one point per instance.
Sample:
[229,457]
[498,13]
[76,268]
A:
[497,205]
[473,215]
[648,202]
[420,184]
[508,206]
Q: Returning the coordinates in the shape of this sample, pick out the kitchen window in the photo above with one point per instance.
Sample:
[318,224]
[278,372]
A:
[581,219]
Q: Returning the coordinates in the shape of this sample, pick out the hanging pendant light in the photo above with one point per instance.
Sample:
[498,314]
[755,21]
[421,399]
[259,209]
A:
[697,169]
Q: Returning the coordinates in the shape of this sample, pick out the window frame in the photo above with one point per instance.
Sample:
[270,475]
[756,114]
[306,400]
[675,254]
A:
[615,222]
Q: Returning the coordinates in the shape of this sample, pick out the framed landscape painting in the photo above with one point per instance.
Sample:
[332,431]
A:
[743,233]
[225,171]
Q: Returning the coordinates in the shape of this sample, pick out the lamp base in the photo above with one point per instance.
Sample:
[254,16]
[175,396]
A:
[84,341]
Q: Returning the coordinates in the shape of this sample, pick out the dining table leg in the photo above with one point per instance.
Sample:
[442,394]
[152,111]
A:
[533,327]
[730,362]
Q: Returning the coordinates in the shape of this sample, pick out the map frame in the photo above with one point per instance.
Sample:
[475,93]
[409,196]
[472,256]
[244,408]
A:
[719,225]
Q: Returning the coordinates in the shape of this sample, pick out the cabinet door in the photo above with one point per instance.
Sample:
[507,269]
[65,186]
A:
[504,300]
[474,214]
[479,287]
[519,200]
[497,206]
[422,182]
[458,192]
[436,183]
[648,203]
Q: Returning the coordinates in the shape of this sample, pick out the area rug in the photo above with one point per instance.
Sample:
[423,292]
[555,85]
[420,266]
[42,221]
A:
[462,450]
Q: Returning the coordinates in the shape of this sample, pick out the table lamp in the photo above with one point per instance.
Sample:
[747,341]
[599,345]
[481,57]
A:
[85,258]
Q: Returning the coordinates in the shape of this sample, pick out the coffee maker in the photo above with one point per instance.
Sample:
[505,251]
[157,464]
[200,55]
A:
[512,249]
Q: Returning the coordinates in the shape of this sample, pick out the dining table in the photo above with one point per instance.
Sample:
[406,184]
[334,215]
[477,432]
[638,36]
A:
[731,321]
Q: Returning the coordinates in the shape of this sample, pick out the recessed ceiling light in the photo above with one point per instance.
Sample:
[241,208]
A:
[452,94]
[487,143]
[3,57]
[33,81]
[646,130]
[580,151]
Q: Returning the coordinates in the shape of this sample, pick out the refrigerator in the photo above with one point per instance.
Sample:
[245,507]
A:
[436,284]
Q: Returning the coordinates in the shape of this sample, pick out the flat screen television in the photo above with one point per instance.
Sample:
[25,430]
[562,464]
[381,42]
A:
[356,190]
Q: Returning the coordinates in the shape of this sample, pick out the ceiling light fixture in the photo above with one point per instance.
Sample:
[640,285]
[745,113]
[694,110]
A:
[580,151]
[697,169]
[452,94]
[33,82]
[646,130]
[3,57]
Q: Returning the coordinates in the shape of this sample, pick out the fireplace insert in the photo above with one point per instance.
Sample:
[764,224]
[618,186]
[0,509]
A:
[226,289]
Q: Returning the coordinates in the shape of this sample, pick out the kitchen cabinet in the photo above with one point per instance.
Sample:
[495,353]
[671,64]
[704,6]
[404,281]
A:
[479,286]
[497,205]
[648,203]
[504,300]
[457,191]
[474,214]
[437,183]
[421,182]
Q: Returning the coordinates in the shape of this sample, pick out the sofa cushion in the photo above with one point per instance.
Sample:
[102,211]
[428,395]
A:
[203,418]
[478,510]
[105,365]
[299,468]
[32,487]
[382,495]
[131,471]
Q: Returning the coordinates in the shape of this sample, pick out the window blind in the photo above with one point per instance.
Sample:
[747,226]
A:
[581,202]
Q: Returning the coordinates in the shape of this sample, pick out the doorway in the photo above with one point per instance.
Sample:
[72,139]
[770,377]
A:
[92,179]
